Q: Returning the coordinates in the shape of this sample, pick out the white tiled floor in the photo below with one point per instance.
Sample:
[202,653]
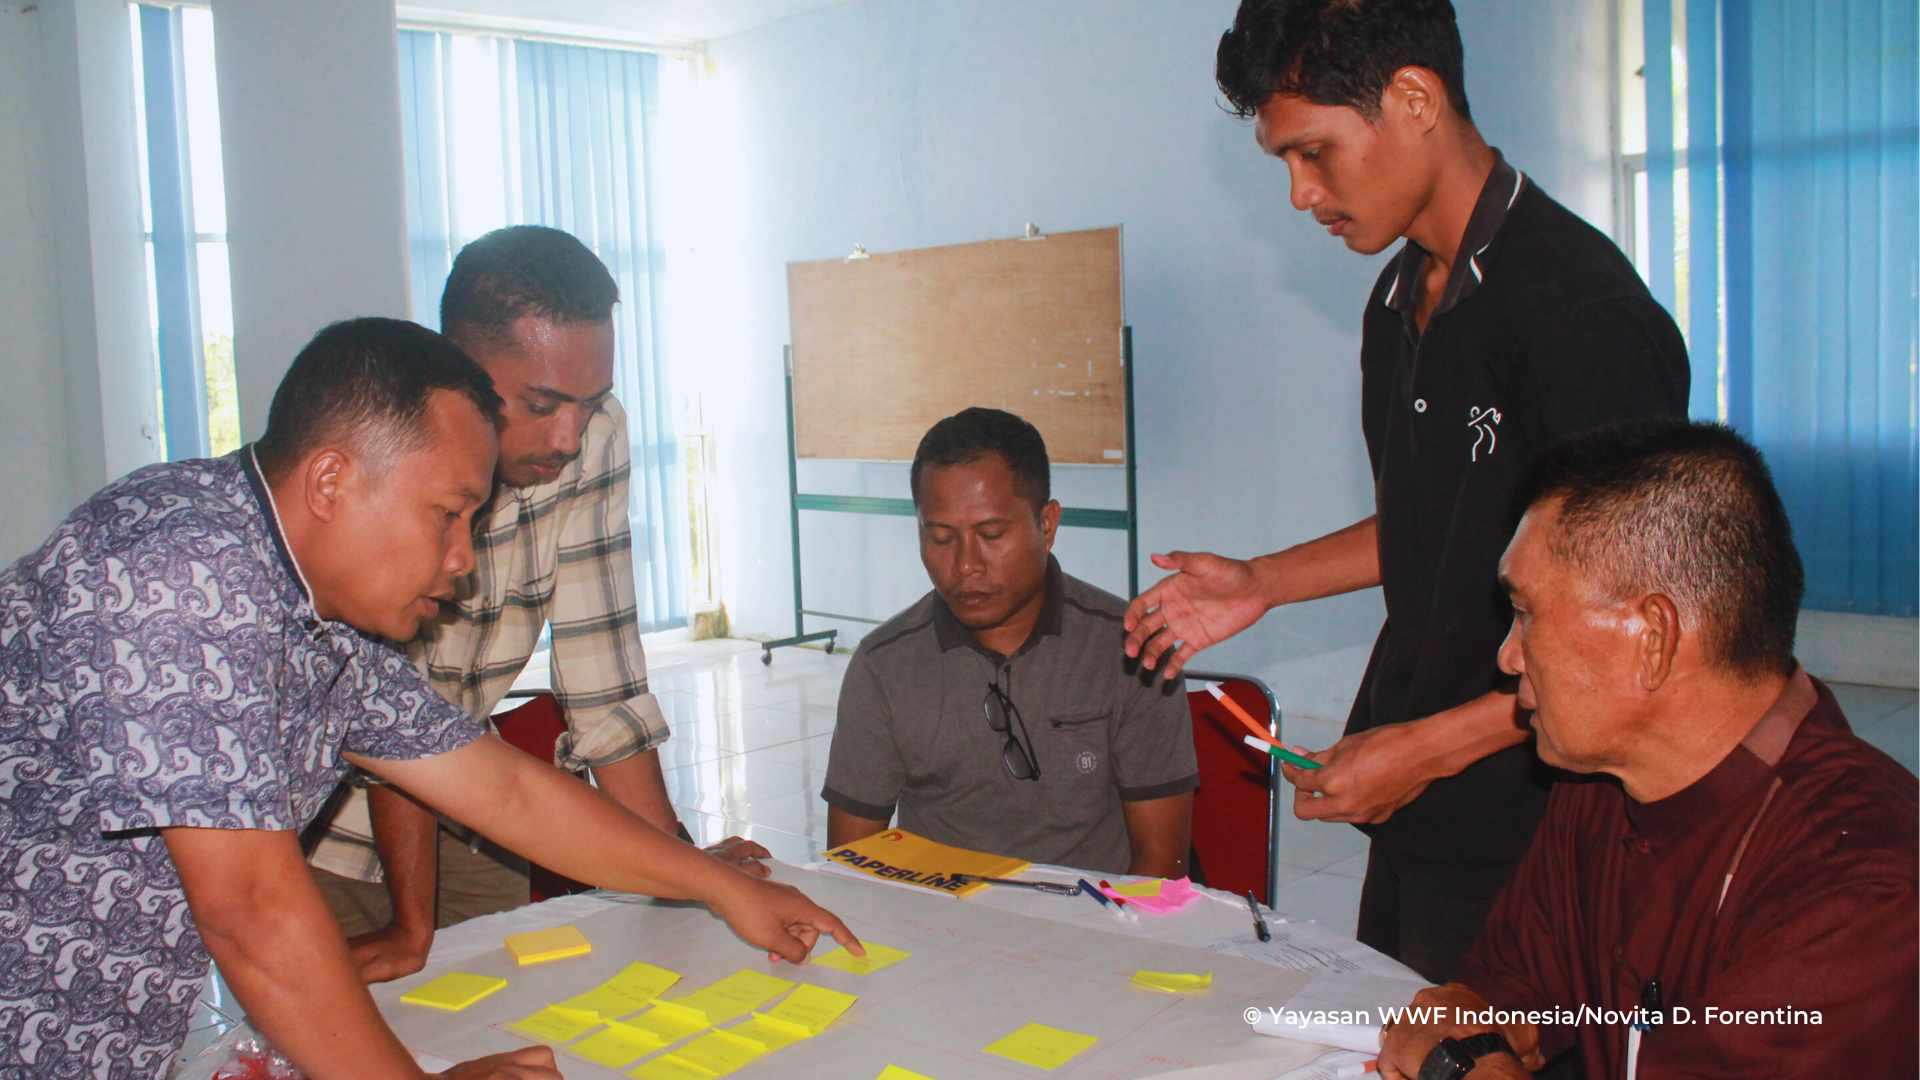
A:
[749,754]
[749,749]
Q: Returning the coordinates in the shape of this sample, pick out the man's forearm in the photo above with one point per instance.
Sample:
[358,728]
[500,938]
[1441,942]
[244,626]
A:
[1159,835]
[845,828]
[508,797]
[407,836]
[281,952]
[637,783]
[1463,735]
[1339,562]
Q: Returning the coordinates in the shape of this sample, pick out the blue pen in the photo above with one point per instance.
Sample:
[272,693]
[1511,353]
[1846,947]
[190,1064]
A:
[1087,888]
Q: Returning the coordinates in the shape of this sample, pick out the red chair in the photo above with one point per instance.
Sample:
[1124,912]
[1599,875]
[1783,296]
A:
[1236,812]
[535,728]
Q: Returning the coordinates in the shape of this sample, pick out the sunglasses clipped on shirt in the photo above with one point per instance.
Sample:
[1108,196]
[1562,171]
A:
[1004,718]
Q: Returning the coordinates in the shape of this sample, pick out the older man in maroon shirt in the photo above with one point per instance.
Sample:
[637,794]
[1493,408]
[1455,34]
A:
[1731,892]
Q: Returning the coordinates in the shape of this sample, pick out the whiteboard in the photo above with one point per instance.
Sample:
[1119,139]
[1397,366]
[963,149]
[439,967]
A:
[885,346]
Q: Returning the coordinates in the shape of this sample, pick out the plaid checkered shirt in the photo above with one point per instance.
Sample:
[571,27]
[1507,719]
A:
[561,552]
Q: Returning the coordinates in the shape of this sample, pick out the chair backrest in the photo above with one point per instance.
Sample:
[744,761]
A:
[535,728]
[1235,822]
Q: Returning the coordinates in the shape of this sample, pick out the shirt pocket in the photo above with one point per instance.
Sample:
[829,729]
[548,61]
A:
[1076,748]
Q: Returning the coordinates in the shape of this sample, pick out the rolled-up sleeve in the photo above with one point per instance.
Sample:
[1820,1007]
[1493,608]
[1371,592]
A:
[599,668]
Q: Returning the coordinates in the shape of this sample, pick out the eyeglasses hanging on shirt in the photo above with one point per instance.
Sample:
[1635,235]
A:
[1004,718]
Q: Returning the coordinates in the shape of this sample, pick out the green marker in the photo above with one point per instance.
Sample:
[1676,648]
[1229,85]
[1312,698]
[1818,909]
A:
[1282,753]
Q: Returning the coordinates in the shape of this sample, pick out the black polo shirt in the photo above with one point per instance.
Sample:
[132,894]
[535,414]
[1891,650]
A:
[1544,330]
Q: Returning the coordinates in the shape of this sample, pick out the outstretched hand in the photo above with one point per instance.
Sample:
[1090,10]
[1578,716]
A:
[780,919]
[742,854]
[526,1063]
[1364,778]
[1207,600]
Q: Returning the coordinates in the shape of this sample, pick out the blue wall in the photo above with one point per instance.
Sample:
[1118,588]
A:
[903,124]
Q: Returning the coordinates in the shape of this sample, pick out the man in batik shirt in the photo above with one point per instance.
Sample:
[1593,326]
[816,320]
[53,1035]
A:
[187,667]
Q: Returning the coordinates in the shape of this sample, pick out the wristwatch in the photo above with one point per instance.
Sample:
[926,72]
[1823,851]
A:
[1455,1058]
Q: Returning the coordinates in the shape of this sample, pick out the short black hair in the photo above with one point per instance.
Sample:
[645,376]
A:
[1685,509]
[971,434]
[524,270]
[366,381]
[1337,52]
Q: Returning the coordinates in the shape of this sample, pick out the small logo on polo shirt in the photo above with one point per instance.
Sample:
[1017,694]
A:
[1483,422]
[1086,761]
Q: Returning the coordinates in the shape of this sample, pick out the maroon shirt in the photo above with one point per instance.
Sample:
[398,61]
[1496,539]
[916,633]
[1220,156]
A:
[1820,914]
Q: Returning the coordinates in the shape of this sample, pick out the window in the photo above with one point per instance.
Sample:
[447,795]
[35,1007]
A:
[185,217]
[1769,170]
[502,130]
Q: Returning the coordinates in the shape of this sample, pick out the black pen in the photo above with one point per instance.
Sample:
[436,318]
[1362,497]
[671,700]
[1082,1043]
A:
[1259,924]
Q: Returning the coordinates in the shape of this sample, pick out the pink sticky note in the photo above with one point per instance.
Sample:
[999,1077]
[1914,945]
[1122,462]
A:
[1173,895]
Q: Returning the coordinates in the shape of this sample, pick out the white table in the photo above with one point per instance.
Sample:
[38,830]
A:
[981,968]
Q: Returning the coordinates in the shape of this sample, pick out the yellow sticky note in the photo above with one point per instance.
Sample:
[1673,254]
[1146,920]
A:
[670,1020]
[895,1072]
[739,992]
[669,1067]
[1168,980]
[453,991]
[813,1007]
[770,1033]
[878,956]
[628,992]
[554,1024]
[1041,1046]
[720,1052]
[1149,887]
[620,1044]
[542,945]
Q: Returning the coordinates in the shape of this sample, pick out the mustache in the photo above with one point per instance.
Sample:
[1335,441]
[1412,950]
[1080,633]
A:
[550,461]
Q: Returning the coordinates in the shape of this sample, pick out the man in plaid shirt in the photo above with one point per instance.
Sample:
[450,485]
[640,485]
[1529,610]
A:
[534,306]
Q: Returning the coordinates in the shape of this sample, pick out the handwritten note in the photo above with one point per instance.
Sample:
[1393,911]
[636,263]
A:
[554,1025]
[453,991]
[1172,981]
[720,1052]
[620,1044]
[671,1021]
[669,1067]
[878,956]
[738,993]
[895,1072]
[1041,1046]
[625,993]
[770,1033]
[813,1007]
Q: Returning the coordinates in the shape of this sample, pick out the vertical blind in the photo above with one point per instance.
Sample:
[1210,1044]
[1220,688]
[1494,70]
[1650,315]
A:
[1784,212]
[500,132]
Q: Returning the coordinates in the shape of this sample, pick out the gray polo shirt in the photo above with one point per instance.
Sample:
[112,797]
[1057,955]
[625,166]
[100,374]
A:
[913,732]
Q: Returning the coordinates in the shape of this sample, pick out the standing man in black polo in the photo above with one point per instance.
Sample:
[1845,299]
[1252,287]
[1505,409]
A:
[1504,324]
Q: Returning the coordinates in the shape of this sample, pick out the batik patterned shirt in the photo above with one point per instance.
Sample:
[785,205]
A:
[162,665]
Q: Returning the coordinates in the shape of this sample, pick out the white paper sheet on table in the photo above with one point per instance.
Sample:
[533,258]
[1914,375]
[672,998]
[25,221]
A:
[1348,978]
[1346,975]
[977,974]
[1332,1065]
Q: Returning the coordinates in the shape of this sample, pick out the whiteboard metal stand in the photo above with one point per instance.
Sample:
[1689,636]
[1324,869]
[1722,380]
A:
[1072,517]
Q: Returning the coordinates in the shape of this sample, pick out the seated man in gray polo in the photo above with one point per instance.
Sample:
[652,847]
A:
[1000,713]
